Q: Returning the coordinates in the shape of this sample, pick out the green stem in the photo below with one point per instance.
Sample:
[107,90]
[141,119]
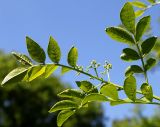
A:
[95,69]
[141,57]
[151,5]
[100,79]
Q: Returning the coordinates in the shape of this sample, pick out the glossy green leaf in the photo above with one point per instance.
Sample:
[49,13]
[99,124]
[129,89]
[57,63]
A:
[15,75]
[72,93]
[139,4]
[151,62]
[132,70]
[94,97]
[147,91]
[63,105]
[64,70]
[35,51]
[127,16]
[86,86]
[120,34]
[25,60]
[72,57]
[54,51]
[35,72]
[148,44]
[139,13]
[109,90]
[152,1]
[50,68]
[63,116]
[142,27]
[129,54]
[130,87]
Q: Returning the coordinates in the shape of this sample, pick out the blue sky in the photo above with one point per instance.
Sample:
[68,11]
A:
[81,23]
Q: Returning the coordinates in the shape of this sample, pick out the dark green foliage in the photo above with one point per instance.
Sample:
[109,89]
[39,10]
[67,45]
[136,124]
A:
[129,54]
[133,69]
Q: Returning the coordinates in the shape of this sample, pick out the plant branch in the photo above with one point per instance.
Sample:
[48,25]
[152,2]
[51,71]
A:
[100,79]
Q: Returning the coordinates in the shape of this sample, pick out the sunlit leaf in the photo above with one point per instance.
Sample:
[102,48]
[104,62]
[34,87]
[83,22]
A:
[151,62]
[151,1]
[63,116]
[109,90]
[72,57]
[72,93]
[86,86]
[35,72]
[129,54]
[94,97]
[54,51]
[139,4]
[142,27]
[63,105]
[120,34]
[25,60]
[147,91]
[127,16]
[139,13]
[64,70]
[148,44]
[130,87]
[50,68]
[132,70]
[35,51]
[15,75]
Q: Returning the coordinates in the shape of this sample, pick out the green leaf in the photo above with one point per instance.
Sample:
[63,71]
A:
[63,116]
[147,91]
[120,34]
[139,4]
[139,13]
[130,87]
[50,68]
[133,69]
[152,1]
[25,60]
[35,51]
[35,72]
[72,93]
[86,86]
[63,105]
[72,57]
[64,70]
[15,75]
[148,44]
[94,97]
[151,62]
[127,16]
[54,51]
[109,90]
[142,27]
[129,55]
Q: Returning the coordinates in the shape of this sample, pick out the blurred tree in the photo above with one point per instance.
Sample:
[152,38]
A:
[138,120]
[27,105]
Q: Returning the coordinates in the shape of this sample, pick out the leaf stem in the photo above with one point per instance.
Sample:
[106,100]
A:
[95,69]
[100,79]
